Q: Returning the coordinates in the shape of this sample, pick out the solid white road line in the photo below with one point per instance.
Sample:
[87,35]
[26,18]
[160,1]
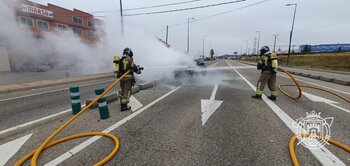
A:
[9,149]
[348,93]
[323,154]
[85,144]
[35,121]
[57,90]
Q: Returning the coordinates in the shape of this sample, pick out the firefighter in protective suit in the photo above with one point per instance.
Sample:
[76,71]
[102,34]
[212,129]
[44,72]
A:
[268,65]
[126,63]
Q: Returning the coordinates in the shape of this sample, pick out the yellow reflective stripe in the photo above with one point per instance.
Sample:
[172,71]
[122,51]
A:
[273,93]
[258,91]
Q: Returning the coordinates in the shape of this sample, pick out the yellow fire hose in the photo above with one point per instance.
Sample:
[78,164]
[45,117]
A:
[294,138]
[46,144]
[311,87]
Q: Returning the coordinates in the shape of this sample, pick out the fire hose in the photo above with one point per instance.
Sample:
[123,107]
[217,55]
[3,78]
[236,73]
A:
[47,144]
[294,138]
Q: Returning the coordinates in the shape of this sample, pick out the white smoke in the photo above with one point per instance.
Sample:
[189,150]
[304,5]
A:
[158,60]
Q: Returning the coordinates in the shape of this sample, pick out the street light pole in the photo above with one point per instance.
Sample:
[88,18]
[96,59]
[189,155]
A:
[246,48]
[257,49]
[188,34]
[274,44]
[121,16]
[203,45]
[291,32]
[167,34]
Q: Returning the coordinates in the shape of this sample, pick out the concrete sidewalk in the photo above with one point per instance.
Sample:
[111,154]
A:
[16,87]
[342,78]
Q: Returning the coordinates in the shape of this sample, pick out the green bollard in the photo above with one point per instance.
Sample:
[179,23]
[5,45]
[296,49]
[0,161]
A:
[102,104]
[75,99]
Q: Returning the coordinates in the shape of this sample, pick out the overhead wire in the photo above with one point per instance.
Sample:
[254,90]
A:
[183,9]
[217,14]
[149,7]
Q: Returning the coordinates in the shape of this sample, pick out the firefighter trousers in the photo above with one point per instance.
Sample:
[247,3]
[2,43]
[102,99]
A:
[125,92]
[269,78]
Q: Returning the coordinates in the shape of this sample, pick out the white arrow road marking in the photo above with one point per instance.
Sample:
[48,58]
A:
[315,98]
[319,99]
[208,107]
[88,142]
[134,104]
[9,149]
[323,154]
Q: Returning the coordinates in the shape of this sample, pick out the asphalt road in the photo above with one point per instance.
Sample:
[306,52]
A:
[169,129]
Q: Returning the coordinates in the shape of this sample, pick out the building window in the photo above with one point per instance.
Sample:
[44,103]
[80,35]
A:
[42,25]
[62,27]
[91,33]
[91,24]
[77,31]
[26,21]
[78,20]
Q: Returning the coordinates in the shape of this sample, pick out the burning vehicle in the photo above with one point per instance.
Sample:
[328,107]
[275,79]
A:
[191,70]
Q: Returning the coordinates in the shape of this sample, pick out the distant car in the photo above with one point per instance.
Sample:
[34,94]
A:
[191,71]
[34,67]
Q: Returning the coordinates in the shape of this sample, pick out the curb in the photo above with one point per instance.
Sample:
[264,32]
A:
[60,82]
[333,80]
[114,97]
[146,85]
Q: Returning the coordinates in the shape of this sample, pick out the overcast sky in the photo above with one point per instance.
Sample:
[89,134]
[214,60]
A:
[317,21]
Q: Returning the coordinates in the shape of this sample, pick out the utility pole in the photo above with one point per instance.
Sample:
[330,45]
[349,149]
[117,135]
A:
[291,32]
[254,45]
[121,16]
[246,48]
[188,34]
[274,44]
[203,45]
[167,34]
[257,49]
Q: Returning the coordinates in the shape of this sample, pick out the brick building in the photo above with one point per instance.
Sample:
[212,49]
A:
[47,18]
[52,18]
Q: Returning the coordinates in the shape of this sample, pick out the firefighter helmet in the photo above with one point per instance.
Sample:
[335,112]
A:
[128,51]
[264,50]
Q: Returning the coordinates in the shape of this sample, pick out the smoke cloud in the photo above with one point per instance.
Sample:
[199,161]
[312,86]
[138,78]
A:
[73,54]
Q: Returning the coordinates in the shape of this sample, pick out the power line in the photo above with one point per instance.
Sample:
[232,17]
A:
[331,23]
[184,9]
[157,6]
[149,7]
[221,13]
[217,14]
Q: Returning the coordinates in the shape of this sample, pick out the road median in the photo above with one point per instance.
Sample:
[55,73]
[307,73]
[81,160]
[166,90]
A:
[17,87]
[114,96]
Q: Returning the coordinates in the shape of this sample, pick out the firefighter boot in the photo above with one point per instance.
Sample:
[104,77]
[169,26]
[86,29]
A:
[273,98]
[256,97]
[125,107]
